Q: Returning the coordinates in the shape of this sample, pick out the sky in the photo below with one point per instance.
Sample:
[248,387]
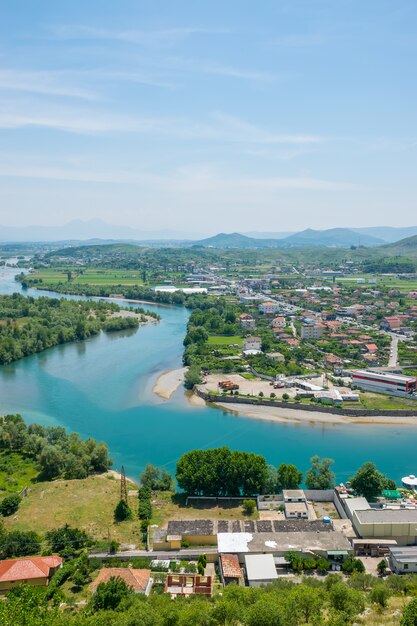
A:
[209,116]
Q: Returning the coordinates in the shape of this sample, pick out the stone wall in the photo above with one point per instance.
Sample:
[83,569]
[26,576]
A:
[318,408]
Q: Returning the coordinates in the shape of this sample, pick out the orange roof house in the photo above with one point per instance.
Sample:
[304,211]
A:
[230,567]
[36,571]
[138,579]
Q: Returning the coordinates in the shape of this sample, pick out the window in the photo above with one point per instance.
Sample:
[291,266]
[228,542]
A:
[405,565]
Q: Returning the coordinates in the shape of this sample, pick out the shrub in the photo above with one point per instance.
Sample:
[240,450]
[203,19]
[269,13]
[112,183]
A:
[10,504]
[122,511]
[249,506]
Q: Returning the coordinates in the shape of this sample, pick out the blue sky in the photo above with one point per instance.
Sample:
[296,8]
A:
[207,117]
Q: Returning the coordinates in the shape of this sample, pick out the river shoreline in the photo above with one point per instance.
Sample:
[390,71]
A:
[274,414]
[168,382]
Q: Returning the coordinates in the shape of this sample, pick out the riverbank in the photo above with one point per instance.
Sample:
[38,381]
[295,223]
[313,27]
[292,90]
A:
[168,382]
[274,414]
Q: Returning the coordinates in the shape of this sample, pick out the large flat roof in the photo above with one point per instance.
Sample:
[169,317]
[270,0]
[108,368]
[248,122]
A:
[384,516]
[384,376]
[238,543]
[260,567]
[406,554]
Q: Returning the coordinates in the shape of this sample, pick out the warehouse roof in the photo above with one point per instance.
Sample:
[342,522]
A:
[384,516]
[260,567]
[405,554]
[238,543]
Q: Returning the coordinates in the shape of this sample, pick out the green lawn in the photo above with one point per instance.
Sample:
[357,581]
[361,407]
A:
[16,472]
[93,276]
[381,401]
[222,340]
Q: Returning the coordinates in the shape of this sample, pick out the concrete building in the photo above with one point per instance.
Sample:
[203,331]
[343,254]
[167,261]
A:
[252,343]
[260,569]
[384,382]
[312,331]
[187,585]
[399,524]
[269,308]
[247,321]
[403,560]
[195,532]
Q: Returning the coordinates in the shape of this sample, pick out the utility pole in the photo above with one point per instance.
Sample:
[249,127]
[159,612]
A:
[123,486]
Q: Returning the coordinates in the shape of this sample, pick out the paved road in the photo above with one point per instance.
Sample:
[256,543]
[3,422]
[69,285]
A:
[393,359]
[164,556]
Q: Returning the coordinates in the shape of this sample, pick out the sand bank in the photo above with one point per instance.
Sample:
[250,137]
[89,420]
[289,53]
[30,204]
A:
[168,382]
[275,414]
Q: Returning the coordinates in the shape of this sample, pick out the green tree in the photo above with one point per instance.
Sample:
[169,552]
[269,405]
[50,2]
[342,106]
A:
[379,595]
[323,566]
[20,543]
[192,377]
[10,504]
[249,506]
[409,617]
[347,601]
[122,511]
[368,481]
[320,476]
[288,476]
[382,567]
[109,595]
[67,540]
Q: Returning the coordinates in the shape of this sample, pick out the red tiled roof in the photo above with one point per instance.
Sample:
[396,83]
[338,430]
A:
[135,578]
[230,566]
[27,569]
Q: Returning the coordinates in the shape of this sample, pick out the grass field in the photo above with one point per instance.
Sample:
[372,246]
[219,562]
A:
[380,401]
[16,472]
[169,506]
[88,504]
[222,340]
[91,276]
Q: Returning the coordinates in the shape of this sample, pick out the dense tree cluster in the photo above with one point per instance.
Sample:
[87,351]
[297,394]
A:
[221,472]
[30,325]
[369,482]
[156,478]
[56,453]
[331,601]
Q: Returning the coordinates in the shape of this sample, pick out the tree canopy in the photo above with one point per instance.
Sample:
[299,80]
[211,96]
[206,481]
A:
[320,476]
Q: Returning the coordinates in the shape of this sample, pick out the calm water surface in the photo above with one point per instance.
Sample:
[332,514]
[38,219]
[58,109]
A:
[103,388]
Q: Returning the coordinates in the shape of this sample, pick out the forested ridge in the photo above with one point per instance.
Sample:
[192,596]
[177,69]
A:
[30,325]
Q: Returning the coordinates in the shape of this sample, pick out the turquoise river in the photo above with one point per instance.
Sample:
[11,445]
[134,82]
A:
[103,388]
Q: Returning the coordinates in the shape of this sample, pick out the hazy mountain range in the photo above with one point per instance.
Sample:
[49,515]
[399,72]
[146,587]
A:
[98,230]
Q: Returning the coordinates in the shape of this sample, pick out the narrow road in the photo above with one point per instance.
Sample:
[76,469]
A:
[393,356]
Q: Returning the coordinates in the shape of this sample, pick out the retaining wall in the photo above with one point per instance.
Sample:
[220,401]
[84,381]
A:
[313,408]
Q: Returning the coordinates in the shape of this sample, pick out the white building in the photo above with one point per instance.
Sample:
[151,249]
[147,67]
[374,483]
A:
[269,308]
[384,382]
[403,560]
[252,343]
[260,569]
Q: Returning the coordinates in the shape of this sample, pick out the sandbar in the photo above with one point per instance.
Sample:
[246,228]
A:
[168,382]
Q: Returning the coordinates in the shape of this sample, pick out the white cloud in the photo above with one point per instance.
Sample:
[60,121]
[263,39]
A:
[184,180]
[158,37]
[218,69]
[217,127]
[42,82]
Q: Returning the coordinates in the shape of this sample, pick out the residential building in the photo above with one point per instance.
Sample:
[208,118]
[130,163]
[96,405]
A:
[247,321]
[138,579]
[35,571]
[278,322]
[312,331]
[252,343]
[269,308]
